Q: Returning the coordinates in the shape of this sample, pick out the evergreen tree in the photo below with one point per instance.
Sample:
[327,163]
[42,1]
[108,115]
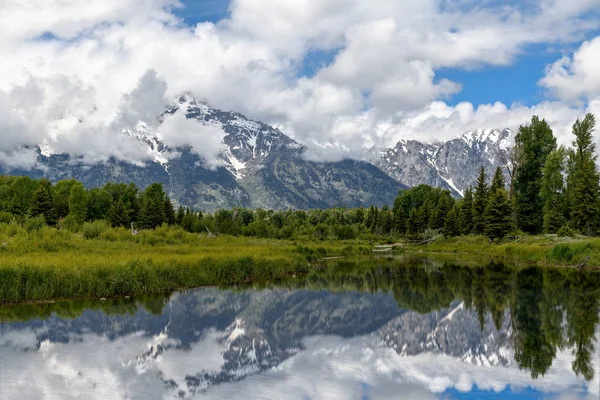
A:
[498,213]
[415,223]
[43,204]
[443,207]
[152,212]
[60,194]
[180,215]
[480,200]
[452,225]
[466,212]
[78,199]
[169,211]
[584,182]
[552,191]
[118,215]
[534,142]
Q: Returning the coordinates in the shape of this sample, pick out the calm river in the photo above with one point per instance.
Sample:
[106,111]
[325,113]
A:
[362,329]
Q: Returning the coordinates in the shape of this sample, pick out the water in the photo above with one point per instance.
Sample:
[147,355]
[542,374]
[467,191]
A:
[362,329]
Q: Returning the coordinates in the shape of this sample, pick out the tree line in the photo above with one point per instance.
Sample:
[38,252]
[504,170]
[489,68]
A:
[551,189]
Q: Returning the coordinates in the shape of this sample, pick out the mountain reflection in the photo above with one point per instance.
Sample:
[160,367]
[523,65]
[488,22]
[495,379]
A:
[389,315]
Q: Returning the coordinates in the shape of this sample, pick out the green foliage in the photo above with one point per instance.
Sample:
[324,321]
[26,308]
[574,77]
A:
[584,181]
[566,231]
[452,223]
[78,199]
[118,215]
[534,143]
[93,230]
[152,212]
[498,213]
[480,201]
[43,204]
[552,191]
[6,217]
[35,223]
[466,212]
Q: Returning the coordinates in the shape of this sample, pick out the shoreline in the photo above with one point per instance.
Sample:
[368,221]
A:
[53,265]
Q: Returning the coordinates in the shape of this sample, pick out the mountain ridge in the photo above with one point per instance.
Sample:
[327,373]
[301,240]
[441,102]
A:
[261,167]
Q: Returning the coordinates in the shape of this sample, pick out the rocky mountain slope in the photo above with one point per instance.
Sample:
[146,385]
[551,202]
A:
[452,165]
[262,167]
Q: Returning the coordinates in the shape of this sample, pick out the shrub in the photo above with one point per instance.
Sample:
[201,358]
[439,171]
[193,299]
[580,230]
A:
[6,217]
[35,223]
[70,224]
[93,230]
[345,232]
[566,231]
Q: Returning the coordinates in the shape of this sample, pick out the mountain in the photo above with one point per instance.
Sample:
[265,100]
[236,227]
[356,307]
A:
[262,167]
[452,165]
[259,167]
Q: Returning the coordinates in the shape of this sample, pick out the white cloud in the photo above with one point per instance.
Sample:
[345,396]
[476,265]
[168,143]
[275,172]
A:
[75,72]
[577,77]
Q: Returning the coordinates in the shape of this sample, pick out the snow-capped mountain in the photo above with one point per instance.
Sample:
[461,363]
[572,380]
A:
[260,166]
[452,165]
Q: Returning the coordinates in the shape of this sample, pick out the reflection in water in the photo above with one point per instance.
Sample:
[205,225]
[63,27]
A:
[363,329]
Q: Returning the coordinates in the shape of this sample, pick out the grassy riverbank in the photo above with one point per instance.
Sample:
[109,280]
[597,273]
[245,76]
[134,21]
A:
[50,264]
[45,263]
[546,250]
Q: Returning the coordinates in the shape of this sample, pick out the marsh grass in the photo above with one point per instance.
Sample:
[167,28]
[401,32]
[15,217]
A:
[46,263]
[545,250]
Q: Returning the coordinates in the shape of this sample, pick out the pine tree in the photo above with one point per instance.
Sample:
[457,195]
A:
[452,224]
[169,211]
[552,189]
[534,142]
[118,215]
[584,180]
[43,203]
[480,201]
[443,207]
[466,212]
[180,215]
[498,213]
[152,212]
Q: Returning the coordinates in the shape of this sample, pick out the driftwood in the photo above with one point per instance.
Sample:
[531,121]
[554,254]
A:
[134,231]
[210,234]
[421,242]
[584,263]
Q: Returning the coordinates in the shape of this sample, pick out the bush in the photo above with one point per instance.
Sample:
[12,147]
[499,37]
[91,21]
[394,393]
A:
[70,224]
[6,217]
[35,223]
[566,231]
[93,230]
[345,232]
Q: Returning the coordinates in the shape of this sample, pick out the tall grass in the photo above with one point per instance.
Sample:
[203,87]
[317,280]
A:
[45,263]
[546,250]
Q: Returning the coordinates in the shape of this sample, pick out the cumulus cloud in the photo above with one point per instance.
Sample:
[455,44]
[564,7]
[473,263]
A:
[76,73]
[576,77]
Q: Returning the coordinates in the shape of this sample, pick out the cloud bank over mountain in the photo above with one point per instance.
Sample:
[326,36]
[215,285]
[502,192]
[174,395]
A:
[76,73]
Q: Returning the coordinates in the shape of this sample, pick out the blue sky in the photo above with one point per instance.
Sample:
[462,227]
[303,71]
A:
[514,83]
